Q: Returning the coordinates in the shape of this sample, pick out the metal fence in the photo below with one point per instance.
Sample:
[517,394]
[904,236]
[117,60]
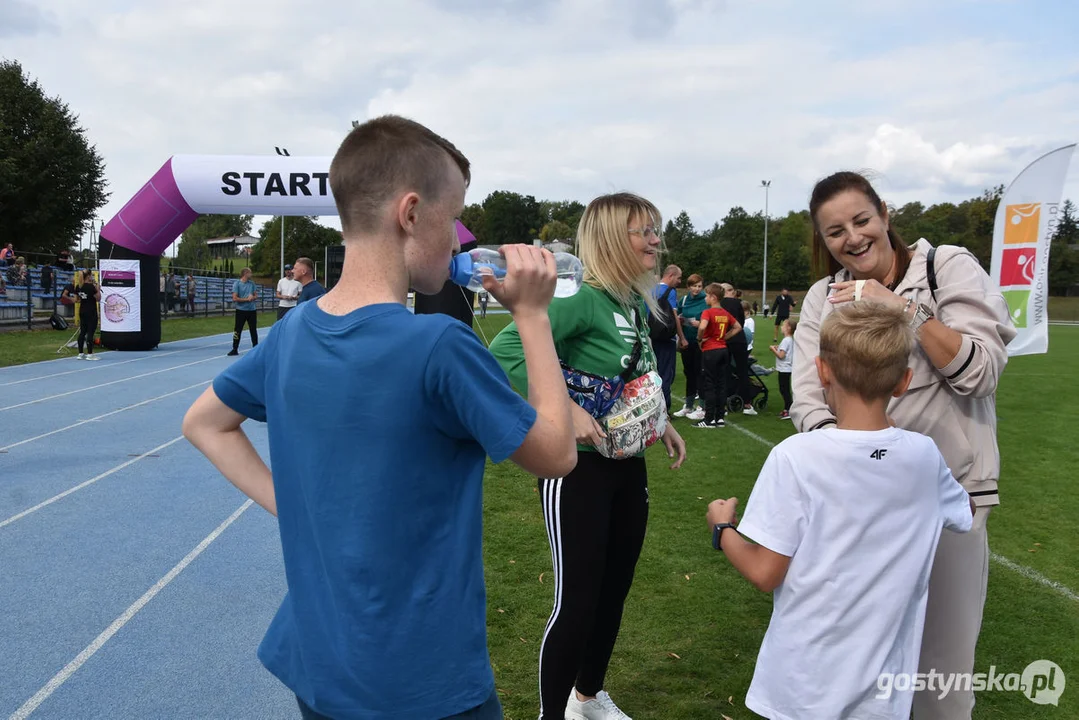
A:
[27,298]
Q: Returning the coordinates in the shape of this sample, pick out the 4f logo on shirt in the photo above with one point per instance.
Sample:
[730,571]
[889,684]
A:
[878,454]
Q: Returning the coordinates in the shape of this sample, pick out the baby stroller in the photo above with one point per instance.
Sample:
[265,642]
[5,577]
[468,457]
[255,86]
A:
[757,389]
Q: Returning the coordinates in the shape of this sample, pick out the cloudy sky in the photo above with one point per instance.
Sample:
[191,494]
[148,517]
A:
[688,102]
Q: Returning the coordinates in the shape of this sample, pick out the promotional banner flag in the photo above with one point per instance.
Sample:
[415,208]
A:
[1026,220]
[121,309]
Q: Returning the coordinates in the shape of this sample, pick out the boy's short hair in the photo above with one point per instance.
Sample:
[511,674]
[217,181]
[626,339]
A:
[792,322]
[867,345]
[715,290]
[385,156]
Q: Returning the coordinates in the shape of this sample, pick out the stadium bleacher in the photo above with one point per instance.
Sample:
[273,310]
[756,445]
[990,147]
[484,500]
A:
[213,295]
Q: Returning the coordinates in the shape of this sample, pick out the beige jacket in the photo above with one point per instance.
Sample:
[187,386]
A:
[954,405]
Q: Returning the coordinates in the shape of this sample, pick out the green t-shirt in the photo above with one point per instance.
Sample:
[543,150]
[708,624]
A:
[592,333]
[691,307]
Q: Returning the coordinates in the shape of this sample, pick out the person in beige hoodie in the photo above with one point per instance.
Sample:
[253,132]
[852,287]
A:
[963,328]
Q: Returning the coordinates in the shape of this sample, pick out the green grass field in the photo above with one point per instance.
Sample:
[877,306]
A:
[25,346]
[693,626]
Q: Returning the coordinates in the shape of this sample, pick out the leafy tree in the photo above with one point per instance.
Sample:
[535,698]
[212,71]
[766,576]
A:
[193,251]
[788,251]
[304,237]
[678,232]
[1064,251]
[568,212]
[557,230]
[740,244]
[51,178]
[511,218]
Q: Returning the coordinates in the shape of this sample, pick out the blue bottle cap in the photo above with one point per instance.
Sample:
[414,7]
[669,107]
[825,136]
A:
[461,269]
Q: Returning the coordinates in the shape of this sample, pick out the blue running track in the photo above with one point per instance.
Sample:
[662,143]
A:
[135,581]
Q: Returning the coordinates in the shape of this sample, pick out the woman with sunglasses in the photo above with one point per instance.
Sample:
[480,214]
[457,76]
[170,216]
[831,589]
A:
[596,516]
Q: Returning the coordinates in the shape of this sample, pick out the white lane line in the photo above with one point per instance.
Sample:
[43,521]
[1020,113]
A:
[114,382]
[1035,576]
[103,366]
[1023,570]
[72,667]
[99,417]
[89,482]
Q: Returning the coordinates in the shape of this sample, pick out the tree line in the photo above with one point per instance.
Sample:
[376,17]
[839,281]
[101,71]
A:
[732,250]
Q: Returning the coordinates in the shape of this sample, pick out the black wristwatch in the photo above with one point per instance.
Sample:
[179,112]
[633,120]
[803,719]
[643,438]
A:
[717,531]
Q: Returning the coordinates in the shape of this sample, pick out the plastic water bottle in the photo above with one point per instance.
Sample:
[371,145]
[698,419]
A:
[468,267]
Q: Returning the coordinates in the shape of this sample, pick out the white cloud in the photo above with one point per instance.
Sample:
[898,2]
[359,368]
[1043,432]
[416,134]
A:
[688,102]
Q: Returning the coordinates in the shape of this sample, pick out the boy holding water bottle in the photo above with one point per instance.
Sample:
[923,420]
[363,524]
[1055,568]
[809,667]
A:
[377,486]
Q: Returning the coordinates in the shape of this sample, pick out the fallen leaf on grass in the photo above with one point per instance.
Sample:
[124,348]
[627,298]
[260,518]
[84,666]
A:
[541,577]
[687,577]
[513,562]
[1037,544]
[523,640]
[730,699]
[501,610]
[673,655]
[725,717]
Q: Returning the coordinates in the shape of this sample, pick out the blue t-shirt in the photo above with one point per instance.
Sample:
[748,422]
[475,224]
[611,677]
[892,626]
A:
[379,422]
[311,291]
[244,289]
[665,289]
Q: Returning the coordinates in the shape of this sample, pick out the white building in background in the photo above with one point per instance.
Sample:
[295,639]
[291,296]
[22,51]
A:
[237,246]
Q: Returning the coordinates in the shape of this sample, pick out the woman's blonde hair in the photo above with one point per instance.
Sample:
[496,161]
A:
[610,264]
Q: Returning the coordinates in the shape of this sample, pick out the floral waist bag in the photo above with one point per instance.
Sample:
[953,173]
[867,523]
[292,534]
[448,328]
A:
[633,413]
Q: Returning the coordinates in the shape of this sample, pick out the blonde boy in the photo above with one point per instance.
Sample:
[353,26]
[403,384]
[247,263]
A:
[845,523]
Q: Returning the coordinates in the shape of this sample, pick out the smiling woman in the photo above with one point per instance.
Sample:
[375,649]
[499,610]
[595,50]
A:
[596,516]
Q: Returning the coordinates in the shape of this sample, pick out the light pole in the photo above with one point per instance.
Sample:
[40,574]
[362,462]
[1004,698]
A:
[764,281]
[284,152]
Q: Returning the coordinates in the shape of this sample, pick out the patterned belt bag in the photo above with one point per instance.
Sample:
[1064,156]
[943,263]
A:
[637,420]
[633,413]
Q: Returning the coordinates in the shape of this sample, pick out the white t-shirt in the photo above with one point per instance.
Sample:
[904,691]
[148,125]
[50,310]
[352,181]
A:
[288,287]
[787,363]
[860,515]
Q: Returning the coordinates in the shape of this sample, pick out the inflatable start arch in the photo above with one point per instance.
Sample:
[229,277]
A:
[185,187]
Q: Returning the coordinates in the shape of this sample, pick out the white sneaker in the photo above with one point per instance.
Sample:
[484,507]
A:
[748,410]
[91,357]
[602,708]
[697,415]
[82,356]
[683,412]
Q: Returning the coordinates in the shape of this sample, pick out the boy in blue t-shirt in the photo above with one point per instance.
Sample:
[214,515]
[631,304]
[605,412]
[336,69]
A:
[380,422]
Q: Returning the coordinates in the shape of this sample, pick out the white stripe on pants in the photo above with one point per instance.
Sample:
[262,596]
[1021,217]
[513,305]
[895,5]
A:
[552,502]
